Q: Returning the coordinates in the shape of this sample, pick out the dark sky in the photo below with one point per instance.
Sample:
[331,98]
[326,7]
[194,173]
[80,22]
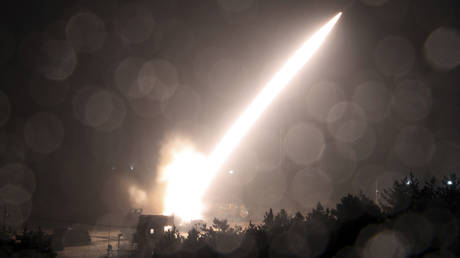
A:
[91,90]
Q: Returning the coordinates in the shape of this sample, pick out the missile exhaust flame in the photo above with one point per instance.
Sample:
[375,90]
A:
[183,198]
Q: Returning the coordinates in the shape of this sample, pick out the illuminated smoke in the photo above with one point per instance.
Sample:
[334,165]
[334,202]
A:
[189,173]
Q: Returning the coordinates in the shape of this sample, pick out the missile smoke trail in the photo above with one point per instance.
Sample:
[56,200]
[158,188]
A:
[189,173]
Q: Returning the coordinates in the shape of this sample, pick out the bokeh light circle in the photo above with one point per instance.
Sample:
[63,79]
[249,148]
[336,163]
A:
[101,109]
[117,115]
[18,214]
[17,185]
[158,78]
[442,48]
[43,133]
[304,143]
[385,244]
[79,101]
[347,122]
[126,78]
[363,148]
[57,59]
[86,32]
[18,174]
[364,75]
[338,164]
[134,23]
[374,98]
[14,145]
[98,108]
[321,97]
[14,194]
[411,100]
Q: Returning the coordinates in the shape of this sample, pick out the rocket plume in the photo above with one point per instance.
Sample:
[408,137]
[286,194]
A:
[189,172]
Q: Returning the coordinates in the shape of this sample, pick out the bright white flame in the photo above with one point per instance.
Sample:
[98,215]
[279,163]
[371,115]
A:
[189,172]
[266,96]
[185,185]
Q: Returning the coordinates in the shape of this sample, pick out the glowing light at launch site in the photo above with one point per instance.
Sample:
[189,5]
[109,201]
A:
[189,173]
[184,175]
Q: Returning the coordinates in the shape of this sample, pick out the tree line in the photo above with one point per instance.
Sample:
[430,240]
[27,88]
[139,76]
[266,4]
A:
[412,219]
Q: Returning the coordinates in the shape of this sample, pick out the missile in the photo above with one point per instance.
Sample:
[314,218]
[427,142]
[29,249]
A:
[190,173]
[266,96]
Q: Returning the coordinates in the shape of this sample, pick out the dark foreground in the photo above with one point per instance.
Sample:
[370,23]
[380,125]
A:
[413,219]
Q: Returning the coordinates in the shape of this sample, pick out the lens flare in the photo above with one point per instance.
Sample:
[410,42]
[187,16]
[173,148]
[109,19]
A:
[189,173]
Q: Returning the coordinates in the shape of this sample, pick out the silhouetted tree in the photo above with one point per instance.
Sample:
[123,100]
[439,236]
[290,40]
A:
[31,243]
[170,242]
[268,219]
[425,214]
[221,225]
[353,207]
[400,196]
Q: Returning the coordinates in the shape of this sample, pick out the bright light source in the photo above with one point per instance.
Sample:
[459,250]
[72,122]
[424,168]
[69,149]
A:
[185,185]
[231,172]
[408,182]
[167,228]
[449,182]
[189,173]
[281,79]
[152,231]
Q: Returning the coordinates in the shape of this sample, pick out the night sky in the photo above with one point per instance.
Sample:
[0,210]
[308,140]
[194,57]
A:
[92,91]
